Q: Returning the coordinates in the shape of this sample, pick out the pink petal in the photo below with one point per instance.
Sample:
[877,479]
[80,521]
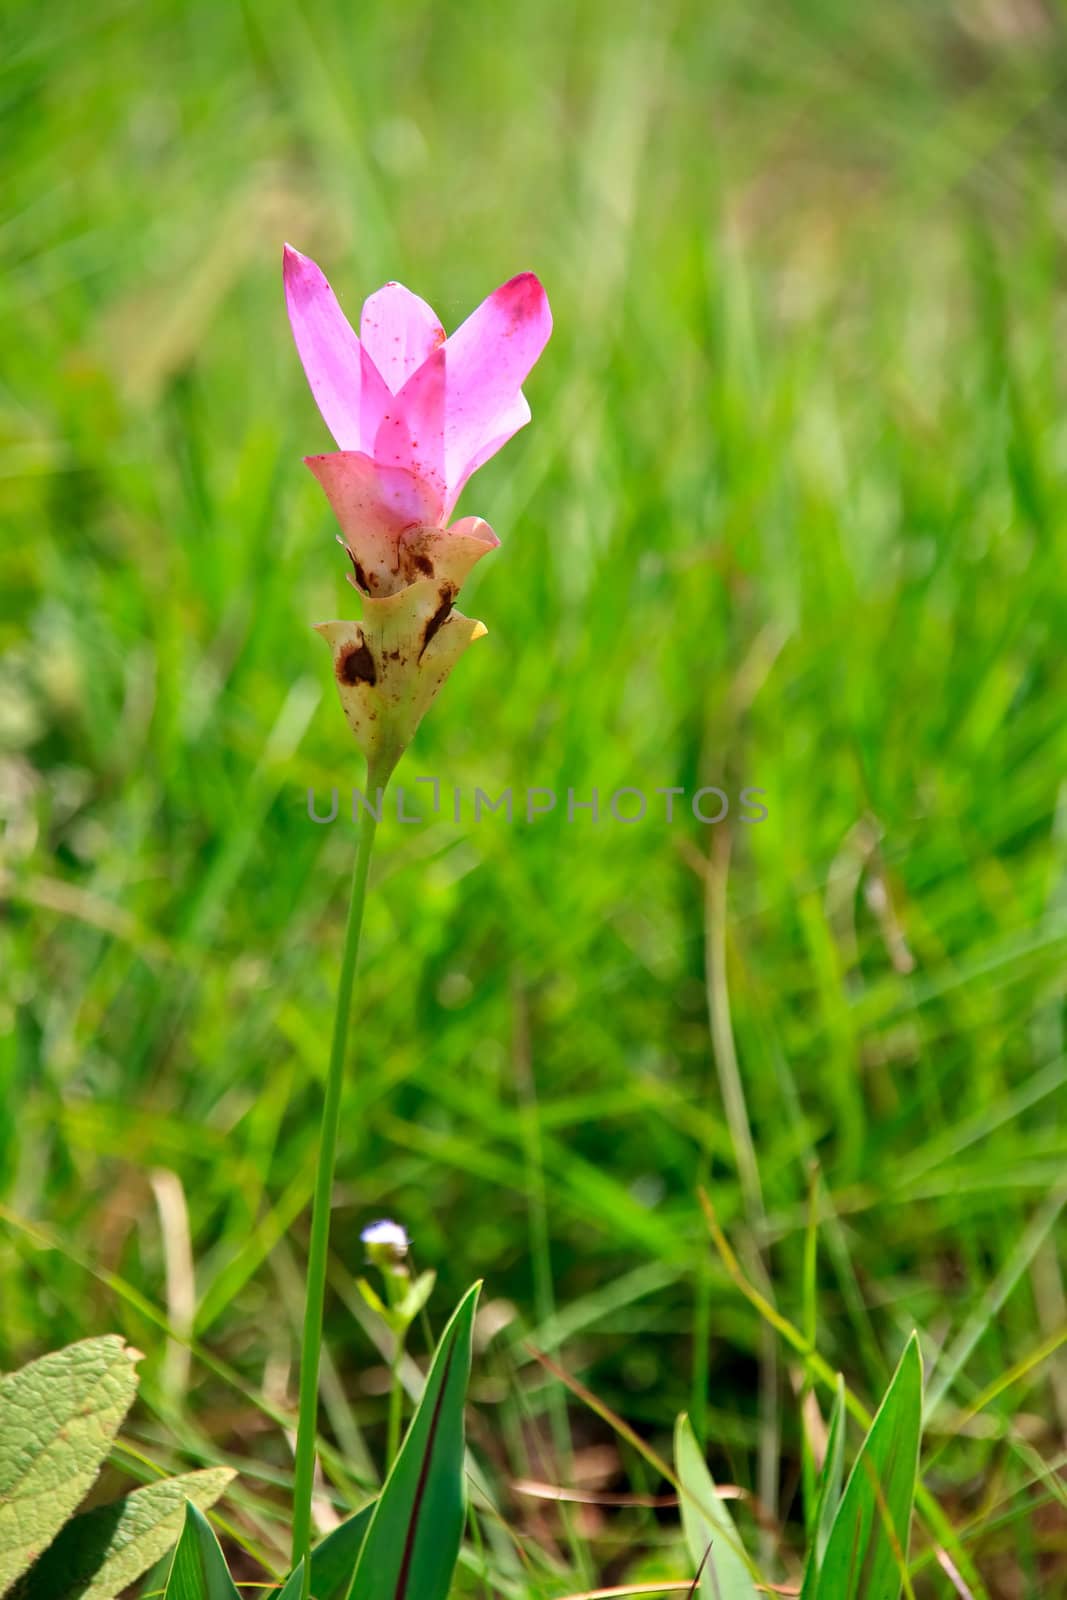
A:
[400,332]
[411,436]
[391,548]
[368,499]
[487,360]
[508,424]
[474,528]
[348,389]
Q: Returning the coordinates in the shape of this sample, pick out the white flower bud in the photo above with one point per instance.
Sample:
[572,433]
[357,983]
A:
[387,1243]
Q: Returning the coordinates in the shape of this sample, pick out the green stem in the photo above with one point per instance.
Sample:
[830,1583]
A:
[396,1402]
[320,1214]
[398,1281]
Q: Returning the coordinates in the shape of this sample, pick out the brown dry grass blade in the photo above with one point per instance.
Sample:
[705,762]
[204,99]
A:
[700,1572]
[586,1497]
[623,1429]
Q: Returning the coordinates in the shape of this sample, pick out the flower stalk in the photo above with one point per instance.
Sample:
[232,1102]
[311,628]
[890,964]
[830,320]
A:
[320,1215]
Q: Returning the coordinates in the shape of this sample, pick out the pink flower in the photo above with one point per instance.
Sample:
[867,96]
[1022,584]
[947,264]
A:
[413,414]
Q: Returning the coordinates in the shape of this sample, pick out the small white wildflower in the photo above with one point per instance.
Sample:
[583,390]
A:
[387,1242]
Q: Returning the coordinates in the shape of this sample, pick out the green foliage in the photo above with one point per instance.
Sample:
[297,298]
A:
[333,1561]
[829,1496]
[400,1311]
[411,1545]
[859,1551]
[293,1587]
[866,1553]
[199,1569]
[792,511]
[98,1554]
[58,1420]
[710,1531]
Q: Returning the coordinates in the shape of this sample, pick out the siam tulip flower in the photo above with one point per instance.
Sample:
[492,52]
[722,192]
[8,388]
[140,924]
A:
[414,414]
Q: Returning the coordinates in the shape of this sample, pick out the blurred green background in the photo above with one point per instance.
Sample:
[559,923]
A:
[791,514]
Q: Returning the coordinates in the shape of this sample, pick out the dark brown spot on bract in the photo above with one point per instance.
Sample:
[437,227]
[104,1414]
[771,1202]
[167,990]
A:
[439,618]
[414,553]
[355,665]
[362,581]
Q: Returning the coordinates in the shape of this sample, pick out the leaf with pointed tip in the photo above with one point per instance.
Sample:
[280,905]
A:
[58,1419]
[868,1543]
[710,1532]
[333,1560]
[100,1553]
[294,1585]
[199,1570]
[829,1492]
[413,1541]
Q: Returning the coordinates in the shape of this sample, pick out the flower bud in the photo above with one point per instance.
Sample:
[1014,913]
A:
[387,1244]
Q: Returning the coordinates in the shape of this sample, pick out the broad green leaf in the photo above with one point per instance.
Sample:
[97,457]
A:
[868,1542]
[294,1585]
[829,1492]
[58,1419]
[333,1561]
[727,1573]
[99,1553]
[411,1546]
[199,1570]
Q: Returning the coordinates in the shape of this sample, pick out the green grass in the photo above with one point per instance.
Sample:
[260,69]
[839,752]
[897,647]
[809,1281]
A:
[792,513]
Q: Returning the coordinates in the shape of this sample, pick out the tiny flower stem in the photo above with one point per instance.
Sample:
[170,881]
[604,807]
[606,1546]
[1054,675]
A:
[396,1403]
[320,1213]
[396,1283]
